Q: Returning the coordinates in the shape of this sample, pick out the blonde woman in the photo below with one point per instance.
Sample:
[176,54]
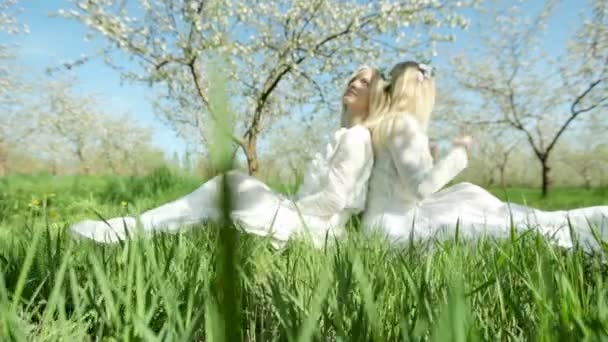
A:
[402,201]
[334,189]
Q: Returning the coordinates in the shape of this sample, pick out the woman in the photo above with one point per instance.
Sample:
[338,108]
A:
[413,209]
[334,189]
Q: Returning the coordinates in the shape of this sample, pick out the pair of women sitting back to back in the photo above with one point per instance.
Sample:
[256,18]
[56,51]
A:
[378,163]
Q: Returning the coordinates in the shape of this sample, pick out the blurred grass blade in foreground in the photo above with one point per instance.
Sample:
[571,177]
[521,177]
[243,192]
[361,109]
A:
[225,287]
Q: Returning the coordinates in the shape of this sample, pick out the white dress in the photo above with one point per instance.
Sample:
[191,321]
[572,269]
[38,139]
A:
[334,189]
[403,204]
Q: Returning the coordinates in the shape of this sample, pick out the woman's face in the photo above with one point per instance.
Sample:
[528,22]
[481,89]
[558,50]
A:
[356,96]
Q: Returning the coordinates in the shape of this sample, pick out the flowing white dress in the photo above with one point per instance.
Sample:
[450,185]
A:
[403,202]
[333,190]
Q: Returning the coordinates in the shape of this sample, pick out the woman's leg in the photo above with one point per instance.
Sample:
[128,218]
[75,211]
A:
[203,204]
[254,206]
[472,209]
[260,211]
[588,225]
[478,213]
[200,205]
[558,225]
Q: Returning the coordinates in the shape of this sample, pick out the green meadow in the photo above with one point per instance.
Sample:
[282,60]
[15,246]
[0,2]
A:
[212,283]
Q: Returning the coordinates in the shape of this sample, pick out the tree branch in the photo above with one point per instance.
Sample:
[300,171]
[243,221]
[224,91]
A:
[574,113]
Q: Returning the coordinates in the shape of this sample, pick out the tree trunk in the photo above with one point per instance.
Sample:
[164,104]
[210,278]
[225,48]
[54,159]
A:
[588,179]
[84,168]
[3,167]
[503,181]
[251,152]
[3,158]
[3,163]
[113,167]
[54,167]
[545,177]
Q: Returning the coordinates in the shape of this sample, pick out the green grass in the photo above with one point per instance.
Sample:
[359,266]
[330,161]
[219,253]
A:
[558,198]
[174,287]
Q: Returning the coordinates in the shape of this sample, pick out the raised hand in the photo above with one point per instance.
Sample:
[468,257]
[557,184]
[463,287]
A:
[465,141]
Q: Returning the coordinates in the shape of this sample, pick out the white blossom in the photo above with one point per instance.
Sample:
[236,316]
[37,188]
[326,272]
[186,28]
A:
[270,47]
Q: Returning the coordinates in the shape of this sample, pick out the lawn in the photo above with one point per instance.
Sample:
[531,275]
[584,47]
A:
[204,285]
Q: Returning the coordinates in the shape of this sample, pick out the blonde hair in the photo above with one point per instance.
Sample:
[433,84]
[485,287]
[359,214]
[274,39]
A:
[373,96]
[409,92]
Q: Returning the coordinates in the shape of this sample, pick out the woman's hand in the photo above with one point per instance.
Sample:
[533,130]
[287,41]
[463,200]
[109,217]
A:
[465,141]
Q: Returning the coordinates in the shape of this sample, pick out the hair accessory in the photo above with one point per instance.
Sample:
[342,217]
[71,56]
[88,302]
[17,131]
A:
[420,77]
[426,70]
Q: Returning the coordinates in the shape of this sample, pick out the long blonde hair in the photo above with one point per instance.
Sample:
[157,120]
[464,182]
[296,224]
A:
[373,95]
[411,91]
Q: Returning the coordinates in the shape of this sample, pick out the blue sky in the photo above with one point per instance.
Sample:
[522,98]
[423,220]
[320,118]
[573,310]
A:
[54,39]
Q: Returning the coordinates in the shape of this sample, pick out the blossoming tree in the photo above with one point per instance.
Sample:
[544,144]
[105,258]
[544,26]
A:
[525,90]
[278,54]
